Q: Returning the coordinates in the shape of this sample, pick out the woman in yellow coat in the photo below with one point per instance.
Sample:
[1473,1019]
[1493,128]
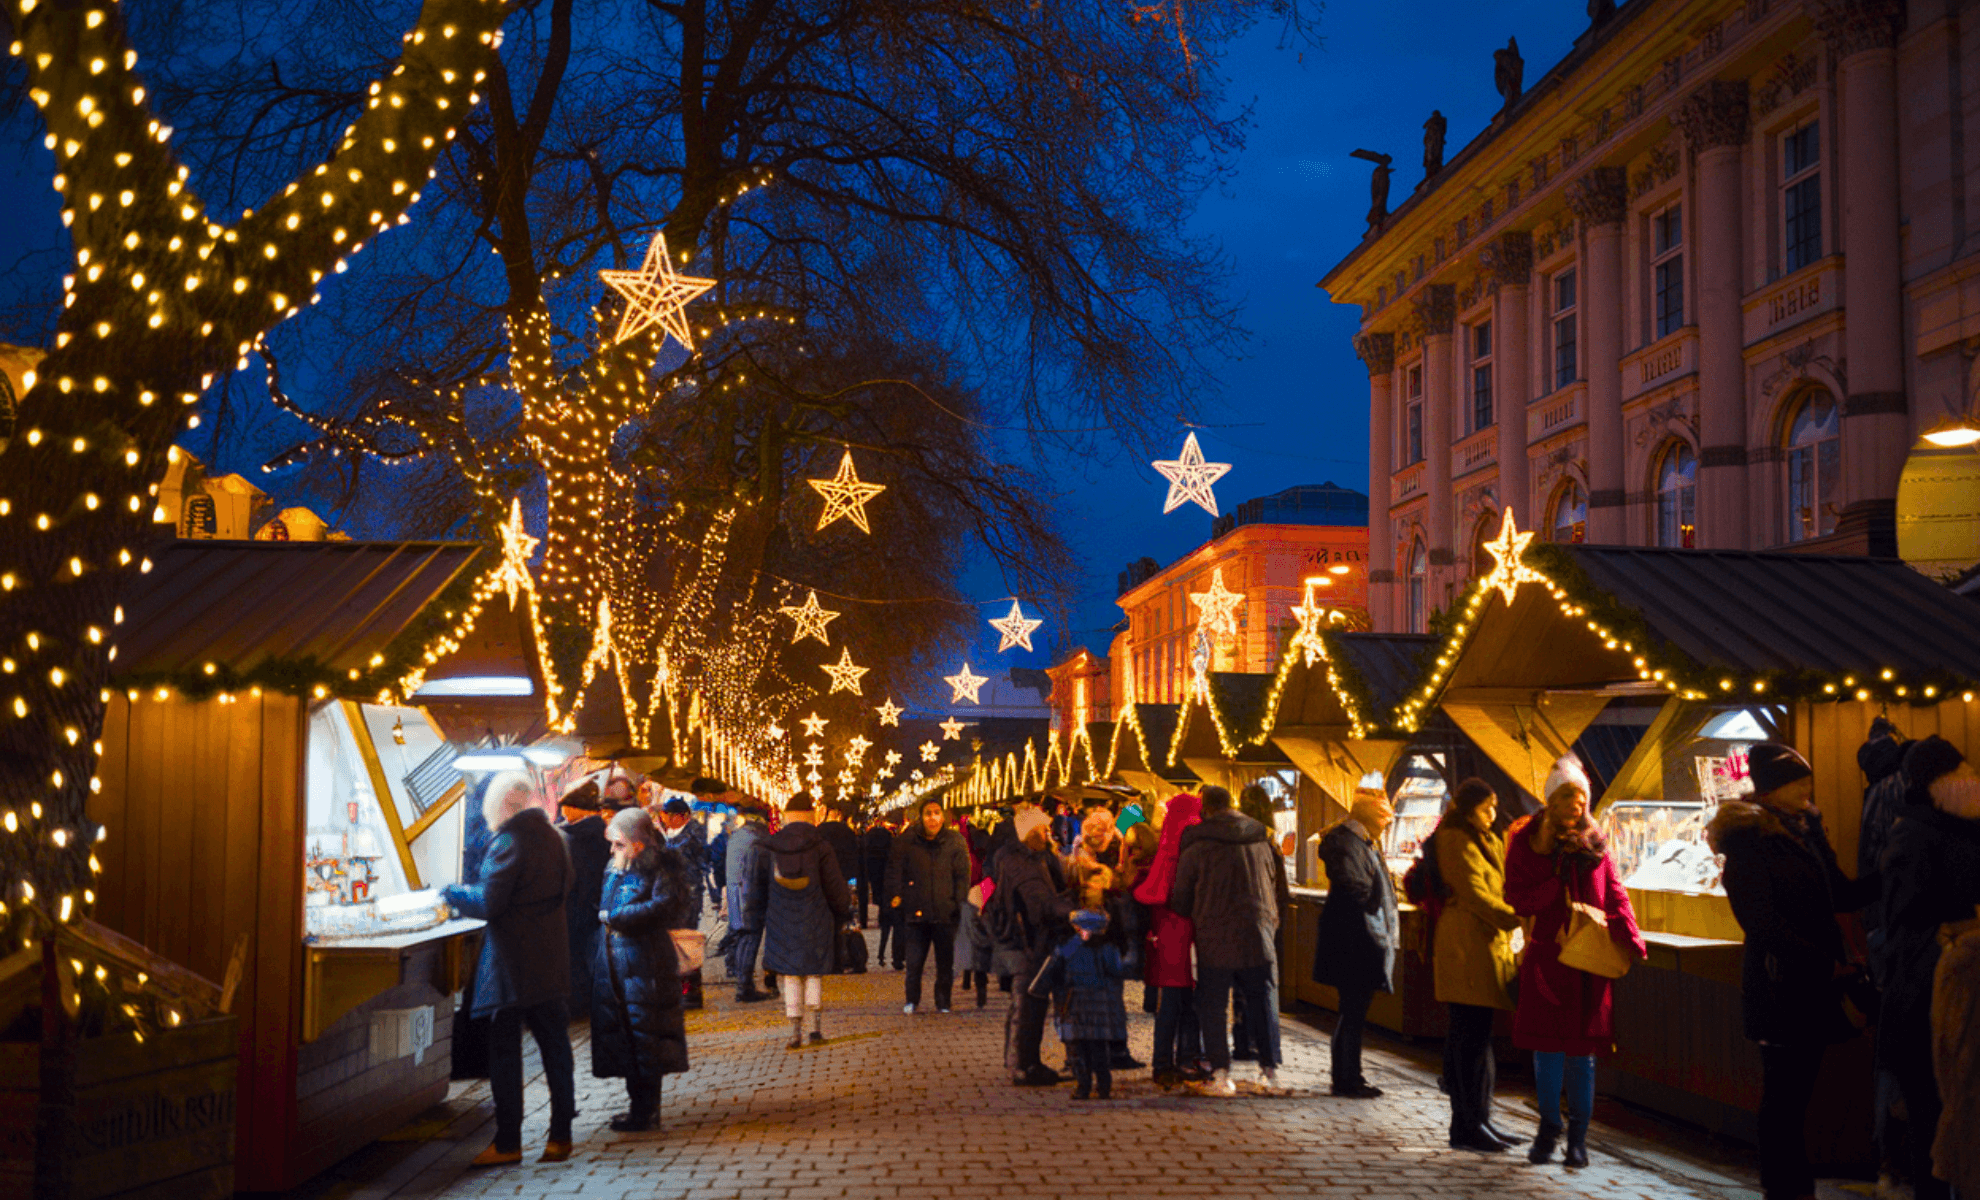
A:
[1473,957]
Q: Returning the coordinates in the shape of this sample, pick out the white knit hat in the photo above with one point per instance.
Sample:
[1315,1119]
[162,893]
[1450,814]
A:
[1027,819]
[1567,772]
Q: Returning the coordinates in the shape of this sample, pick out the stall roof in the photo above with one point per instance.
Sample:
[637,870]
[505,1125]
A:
[242,603]
[1389,664]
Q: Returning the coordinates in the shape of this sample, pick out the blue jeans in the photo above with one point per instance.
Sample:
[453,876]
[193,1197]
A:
[1553,1070]
[1178,1038]
[1258,990]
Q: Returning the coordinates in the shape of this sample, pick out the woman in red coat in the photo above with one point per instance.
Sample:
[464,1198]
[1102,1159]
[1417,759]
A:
[1178,1041]
[1555,858]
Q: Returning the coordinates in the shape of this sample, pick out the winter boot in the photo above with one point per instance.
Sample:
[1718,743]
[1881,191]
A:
[746,992]
[817,1027]
[1544,1142]
[1577,1143]
[797,1034]
[982,989]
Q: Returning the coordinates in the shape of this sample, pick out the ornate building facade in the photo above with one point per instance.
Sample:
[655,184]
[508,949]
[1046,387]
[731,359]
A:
[1703,284]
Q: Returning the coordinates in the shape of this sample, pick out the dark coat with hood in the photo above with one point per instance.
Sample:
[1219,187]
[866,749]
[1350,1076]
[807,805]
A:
[1231,884]
[690,841]
[585,840]
[801,899]
[1786,888]
[638,1028]
[1880,758]
[1931,877]
[1084,979]
[845,845]
[930,876]
[1033,884]
[1359,927]
[744,848]
[525,952]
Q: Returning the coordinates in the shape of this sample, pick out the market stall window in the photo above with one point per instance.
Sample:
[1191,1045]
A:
[1419,796]
[1813,450]
[1677,496]
[1569,513]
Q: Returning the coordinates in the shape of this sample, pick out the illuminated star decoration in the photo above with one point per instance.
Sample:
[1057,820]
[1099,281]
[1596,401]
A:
[930,752]
[966,683]
[845,676]
[655,295]
[814,725]
[890,713]
[814,754]
[882,773]
[1190,478]
[517,546]
[775,731]
[811,619]
[893,758]
[1510,549]
[951,730]
[1217,608]
[1015,628]
[916,776]
[845,496]
[1310,612]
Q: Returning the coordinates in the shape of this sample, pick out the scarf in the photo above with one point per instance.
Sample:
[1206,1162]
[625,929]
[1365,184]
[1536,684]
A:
[1183,811]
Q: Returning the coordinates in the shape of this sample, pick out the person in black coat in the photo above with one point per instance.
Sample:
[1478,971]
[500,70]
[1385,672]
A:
[844,842]
[524,976]
[875,846]
[638,1026]
[927,882]
[799,899]
[1785,887]
[1355,952]
[583,827]
[1026,917]
[1931,875]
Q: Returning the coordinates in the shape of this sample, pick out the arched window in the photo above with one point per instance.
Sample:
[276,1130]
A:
[1419,571]
[1569,520]
[1814,467]
[1482,561]
[1677,496]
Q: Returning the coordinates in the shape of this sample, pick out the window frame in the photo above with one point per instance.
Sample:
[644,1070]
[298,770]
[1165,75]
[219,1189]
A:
[1682,501]
[1412,427]
[1802,183]
[1665,262]
[1417,586]
[1480,411]
[1568,487]
[1818,474]
[1566,316]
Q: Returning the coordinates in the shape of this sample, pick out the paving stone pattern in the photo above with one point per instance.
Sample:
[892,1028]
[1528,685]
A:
[918,1106]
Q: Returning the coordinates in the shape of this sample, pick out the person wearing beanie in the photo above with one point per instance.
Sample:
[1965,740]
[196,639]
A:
[1555,859]
[927,883]
[1355,950]
[1785,887]
[688,838]
[1931,877]
[1083,977]
[583,826]
[1026,915]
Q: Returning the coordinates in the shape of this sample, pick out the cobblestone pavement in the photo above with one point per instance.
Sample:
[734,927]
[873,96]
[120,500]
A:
[914,1106]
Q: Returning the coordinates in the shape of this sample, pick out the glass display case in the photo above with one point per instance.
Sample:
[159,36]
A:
[1419,798]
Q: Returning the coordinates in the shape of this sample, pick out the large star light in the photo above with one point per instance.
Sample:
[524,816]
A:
[951,730]
[845,496]
[1190,478]
[655,295]
[890,713]
[1015,628]
[1510,549]
[811,619]
[966,684]
[814,725]
[1310,613]
[517,546]
[845,676]
[1217,608]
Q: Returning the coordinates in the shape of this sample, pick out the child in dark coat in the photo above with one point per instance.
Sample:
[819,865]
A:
[1084,978]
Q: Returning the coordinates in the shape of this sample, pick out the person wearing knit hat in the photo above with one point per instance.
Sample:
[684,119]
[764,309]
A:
[1931,878]
[1785,887]
[583,826]
[1083,978]
[1026,916]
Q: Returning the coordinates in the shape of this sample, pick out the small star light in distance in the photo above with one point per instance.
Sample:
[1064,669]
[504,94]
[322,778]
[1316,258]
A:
[845,496]
[517,546]
[890,713]
[930,752]
[858,747]
[775,731]
[1217,608]
[966,684]
[1190,478]
[1015,628]
[1510,549]
[951,730]
[655,295]
[814,754]
[811,619]
[814,725]
[893,758]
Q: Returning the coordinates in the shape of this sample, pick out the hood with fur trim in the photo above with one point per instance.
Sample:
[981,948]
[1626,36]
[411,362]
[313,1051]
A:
[1740,819]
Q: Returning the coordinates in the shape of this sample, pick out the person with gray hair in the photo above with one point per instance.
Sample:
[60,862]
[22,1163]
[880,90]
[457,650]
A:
[638,1029]
[524,976]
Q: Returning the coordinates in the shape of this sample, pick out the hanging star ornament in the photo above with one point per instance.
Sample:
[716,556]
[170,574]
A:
[656,295]
[845,676]
[1509,548]
[814,754]
[845,496]
[890,713]
[1190,478]
[517,546]
[811,618]
[858,747]
[1310,613]
[1217,608]
[814,725]
[774,731]
[930,752]
[966,684]
[951,730]
[1015,628]
[893,758]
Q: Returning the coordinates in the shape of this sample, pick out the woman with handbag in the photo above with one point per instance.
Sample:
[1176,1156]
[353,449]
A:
[1581,935]
[1785,888]
[638,1029]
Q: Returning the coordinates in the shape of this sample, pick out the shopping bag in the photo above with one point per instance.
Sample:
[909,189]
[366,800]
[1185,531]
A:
[1587,946]
[690,945]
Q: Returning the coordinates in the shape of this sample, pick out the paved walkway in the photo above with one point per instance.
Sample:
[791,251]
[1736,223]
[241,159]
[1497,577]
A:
[894,1105]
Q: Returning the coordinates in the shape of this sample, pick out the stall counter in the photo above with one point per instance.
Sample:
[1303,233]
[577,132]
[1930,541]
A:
[1411,1010]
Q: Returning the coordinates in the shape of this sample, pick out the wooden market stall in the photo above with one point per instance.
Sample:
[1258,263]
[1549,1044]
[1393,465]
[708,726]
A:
[1660,668]
[262,827]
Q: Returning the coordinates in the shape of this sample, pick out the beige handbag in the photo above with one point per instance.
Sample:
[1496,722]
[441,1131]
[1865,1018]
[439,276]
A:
[690,947]
[1587,946]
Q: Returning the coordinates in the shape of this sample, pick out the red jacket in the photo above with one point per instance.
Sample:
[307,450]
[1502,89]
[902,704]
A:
[1170,935]
[1560,1008]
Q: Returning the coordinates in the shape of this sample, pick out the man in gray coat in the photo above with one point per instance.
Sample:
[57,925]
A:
[739,867]
[524,977]
[1231,883]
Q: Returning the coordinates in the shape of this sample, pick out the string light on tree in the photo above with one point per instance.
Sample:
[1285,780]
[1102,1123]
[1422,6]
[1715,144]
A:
[966,684]
[890,713]
[656,295]
[1015,629]
[1217,609]
[951,730]
[845,676]
[811,618]
[845,496]
[1190,478]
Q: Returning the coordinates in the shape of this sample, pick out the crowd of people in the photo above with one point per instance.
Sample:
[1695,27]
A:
[1063,906]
